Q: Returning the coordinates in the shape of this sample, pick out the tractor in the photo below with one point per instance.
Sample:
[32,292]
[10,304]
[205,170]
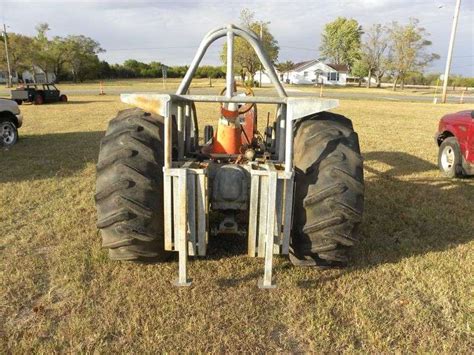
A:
[296,189]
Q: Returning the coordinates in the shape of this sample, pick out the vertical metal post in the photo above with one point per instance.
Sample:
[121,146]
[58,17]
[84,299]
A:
[261,65]
[267,281]
[168,139]
[5,39]
[181,233]
[280,141]
[180,133]
[289,141]
[230,63]
[450,51]
[188,148]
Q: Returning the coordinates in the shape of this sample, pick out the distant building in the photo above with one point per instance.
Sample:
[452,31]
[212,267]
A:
[311,72]
[317,72]
[4,77]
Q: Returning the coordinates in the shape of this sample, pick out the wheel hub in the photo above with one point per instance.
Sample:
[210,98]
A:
[447,158]
[7,134]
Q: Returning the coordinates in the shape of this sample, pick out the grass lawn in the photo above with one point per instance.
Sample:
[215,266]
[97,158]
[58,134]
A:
[409,287]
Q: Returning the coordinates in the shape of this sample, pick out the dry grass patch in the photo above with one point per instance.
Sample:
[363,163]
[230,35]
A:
[408,288]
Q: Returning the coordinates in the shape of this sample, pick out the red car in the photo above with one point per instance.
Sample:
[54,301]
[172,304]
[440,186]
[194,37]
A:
[455,139]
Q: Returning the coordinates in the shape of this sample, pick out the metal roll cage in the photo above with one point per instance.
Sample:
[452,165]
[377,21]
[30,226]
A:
[185,182]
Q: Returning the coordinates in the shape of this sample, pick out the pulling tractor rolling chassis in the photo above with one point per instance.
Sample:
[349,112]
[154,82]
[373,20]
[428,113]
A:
[299,187]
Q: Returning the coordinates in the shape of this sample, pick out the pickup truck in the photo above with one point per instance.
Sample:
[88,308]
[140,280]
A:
[10,120]
[455,139]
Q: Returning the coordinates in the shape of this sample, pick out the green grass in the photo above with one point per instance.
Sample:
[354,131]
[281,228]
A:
[409,287]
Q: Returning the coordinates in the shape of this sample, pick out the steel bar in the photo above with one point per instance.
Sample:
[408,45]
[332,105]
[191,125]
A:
[253,215]
[287,214]
[289,141]
[181,234]
[180,127]
[230,64]
[267,281]
[249,37]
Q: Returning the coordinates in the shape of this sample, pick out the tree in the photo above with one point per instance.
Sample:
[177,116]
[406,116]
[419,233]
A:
[285,67]
[245,59]
[19,51]
[360,70]
[41,55]
[341,41]
[81,56]
[407,51]
[373,52]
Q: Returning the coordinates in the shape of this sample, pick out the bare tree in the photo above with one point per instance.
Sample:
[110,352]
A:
[245,59]
[373,52]
[407,52]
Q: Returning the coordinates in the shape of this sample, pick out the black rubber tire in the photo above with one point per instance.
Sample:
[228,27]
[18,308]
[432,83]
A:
[39,99]
[8,128]
[129,187]
[329,190]
[456,170]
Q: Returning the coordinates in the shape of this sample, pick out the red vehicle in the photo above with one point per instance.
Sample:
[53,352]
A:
[455,139]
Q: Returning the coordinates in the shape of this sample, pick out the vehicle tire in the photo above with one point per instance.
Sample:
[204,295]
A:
[39,99]
[329,190]
[450,158]
[19,102]
[129,187]
[63,98]
[8,133]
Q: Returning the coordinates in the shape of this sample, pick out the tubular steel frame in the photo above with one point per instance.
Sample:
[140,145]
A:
[185,181]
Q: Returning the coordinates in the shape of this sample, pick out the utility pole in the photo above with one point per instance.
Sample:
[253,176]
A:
[450,51]
[261,66]
[5,39]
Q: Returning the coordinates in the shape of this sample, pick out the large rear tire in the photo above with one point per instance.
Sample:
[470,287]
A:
[329,190]
[129,188]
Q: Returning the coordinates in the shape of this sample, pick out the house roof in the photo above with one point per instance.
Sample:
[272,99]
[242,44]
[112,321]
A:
[301,65]
[339,67]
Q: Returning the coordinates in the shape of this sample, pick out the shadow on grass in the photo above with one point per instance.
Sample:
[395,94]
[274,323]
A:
[407,215]
[407,212]
[49,155]
[80,102]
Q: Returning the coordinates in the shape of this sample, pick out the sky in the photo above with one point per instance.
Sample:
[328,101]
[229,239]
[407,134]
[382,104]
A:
[170,31]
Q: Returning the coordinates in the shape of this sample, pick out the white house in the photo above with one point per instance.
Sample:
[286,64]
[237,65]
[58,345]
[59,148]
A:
[311,72]
[317,72]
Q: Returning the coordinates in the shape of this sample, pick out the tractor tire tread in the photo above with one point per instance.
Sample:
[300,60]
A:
[129,187]
[329,190]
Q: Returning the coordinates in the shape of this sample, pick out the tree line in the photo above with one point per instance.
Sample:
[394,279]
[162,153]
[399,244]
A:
[389,52]
[75,58]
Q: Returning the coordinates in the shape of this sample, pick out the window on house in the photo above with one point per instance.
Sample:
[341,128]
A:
[305,74]
[333,76]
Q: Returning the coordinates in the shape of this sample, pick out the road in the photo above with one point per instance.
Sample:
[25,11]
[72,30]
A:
[293,92]
[270,92]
